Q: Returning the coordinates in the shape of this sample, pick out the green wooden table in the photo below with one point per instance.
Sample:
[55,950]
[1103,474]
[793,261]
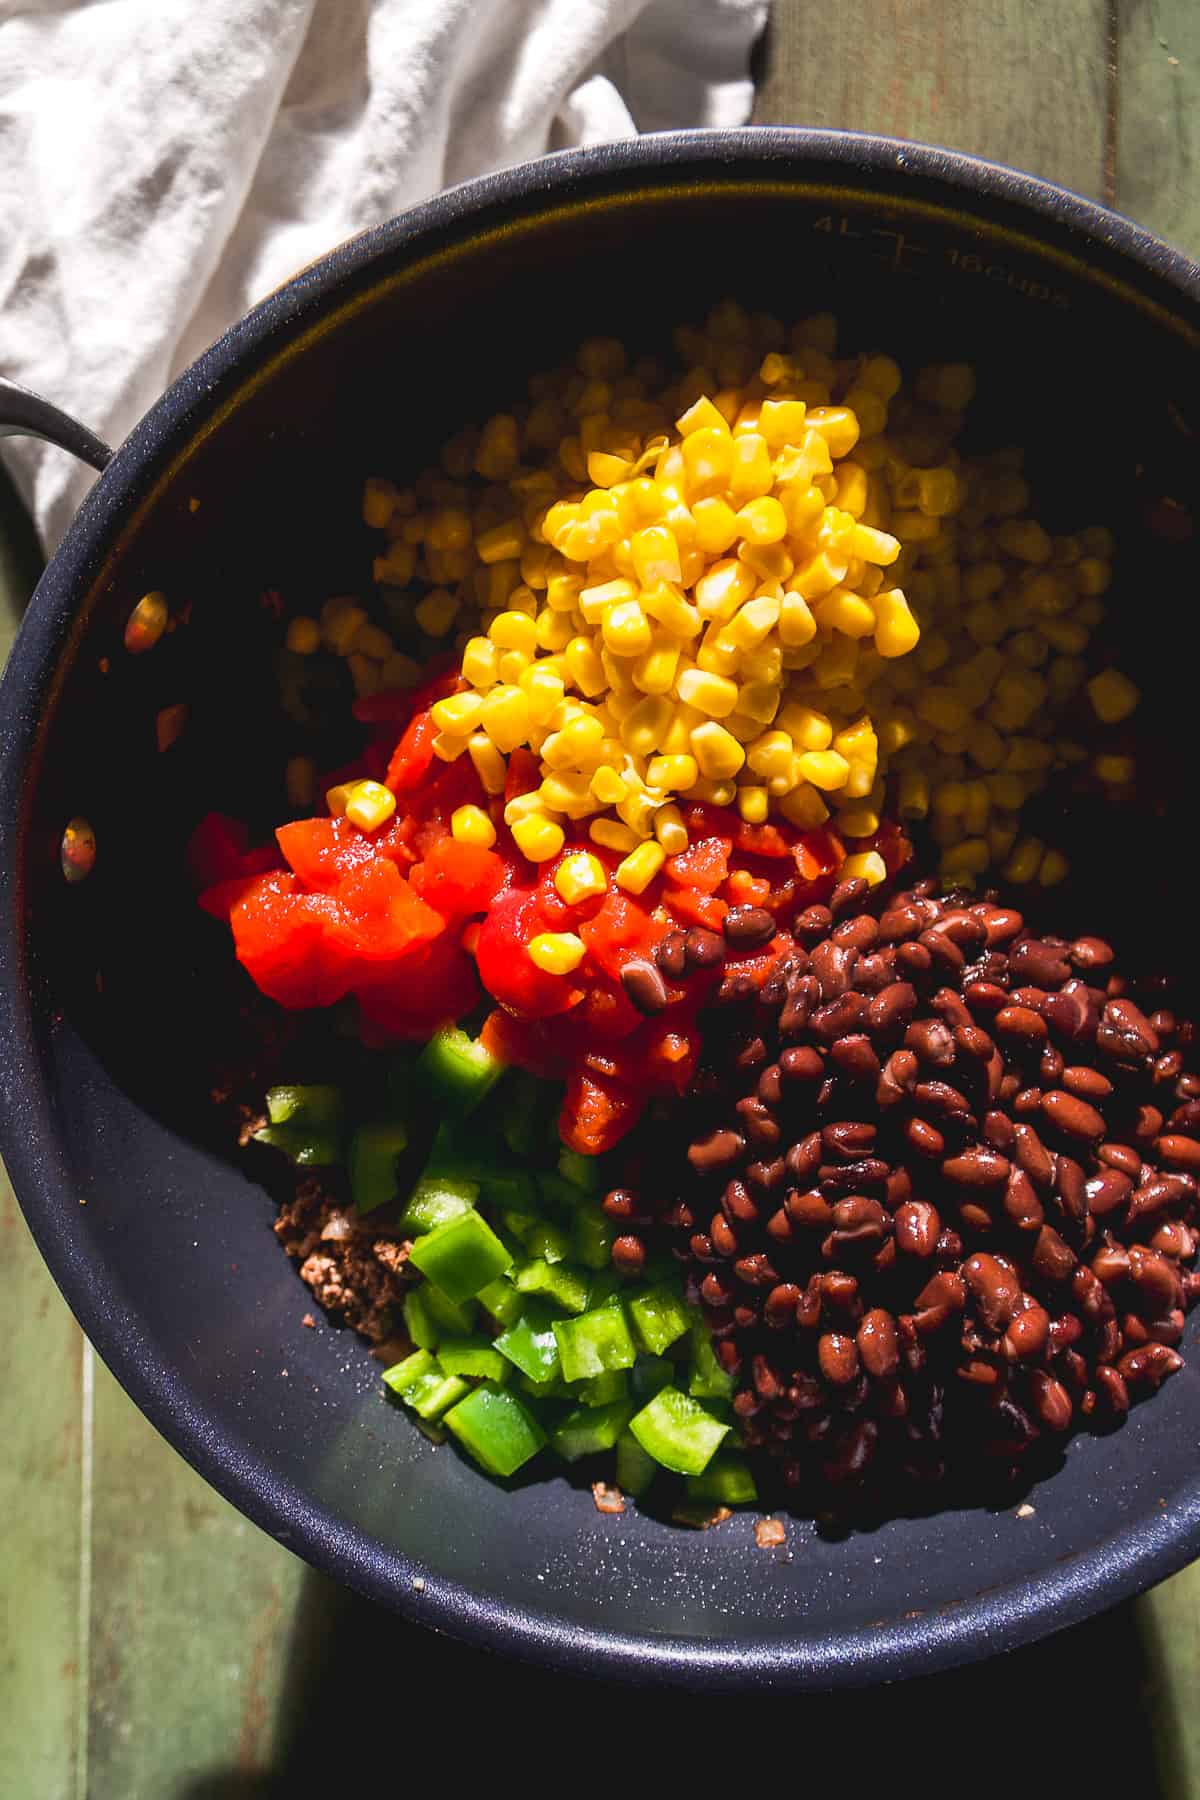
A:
[156,1646]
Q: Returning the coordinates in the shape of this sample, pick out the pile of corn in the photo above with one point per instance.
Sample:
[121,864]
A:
[771,584]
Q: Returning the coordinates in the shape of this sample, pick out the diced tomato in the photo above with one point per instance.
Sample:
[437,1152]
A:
[691,907]
[458,879]
[524,774]
[703,865]
[744,889]
[219,900]
[280,934]
[621,929]
[507,970]
[670,1053]
[432,988]
[397,841]
[219,850]
[322,851]
[605,1013]
[413,754]
[761,840]
[523,1042]
[379,919]
[817,853]
[596,1113]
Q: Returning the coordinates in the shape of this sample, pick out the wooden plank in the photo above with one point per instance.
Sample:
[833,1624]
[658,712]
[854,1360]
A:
[1157,117]
[1021,84]
[191,1621]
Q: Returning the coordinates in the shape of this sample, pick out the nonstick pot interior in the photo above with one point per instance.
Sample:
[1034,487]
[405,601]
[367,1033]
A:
[118,1002]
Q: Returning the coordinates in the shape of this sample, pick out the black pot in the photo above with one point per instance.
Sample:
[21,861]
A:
[245,476]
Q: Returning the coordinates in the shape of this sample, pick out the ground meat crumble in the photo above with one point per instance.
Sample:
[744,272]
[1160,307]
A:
[354,1270]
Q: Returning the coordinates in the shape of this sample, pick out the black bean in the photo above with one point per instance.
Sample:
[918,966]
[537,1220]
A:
[671,955]
[716,1151]
[703,949]
[746,925]
[644,985]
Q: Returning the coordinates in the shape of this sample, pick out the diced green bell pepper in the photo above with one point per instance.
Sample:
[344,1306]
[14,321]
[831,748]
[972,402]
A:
[590,1429]
[456,1070]
[677,1432]
[594,1343]
[374,1152]
[526,1102]
[422,1383]
[558,1196]
[585,1172]
[452,1318]
[592,1237]
[549,1241]
[708,1380]
[501,1300]
[461,1256]
[305,1124]
[635,1470]
[510,1189]
[606,1288]
[559,1282]
[727,1480]
[475,1357]
[417,1319]
[451,1160]
[556,1389]
[496,1428]
[435,1200]
[602,1390]
[518,1224]
[659,1317]
[651,1374]
[530,1343]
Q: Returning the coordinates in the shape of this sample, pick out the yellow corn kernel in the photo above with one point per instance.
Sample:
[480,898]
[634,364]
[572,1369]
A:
[449,746]
[512,665]
[759,700]
[488,762]
[808,728]
[714,695]
[802,503]
[853,489]
[496,453]
[845,612]
[303,636]
[708,460]
[595,601]
[865,865]
[480,661]
[825,769]
[471,825]
[1066,675]
[753,803]
[857,821]
[637,806]
[340,623]
[723,589]
[837,425]
[300,777]
[367,804]
[878,547]
[625,628]
[639,868]
[1054,868]
[797,626]
[654,672]
[913,797]
[753,623]
[379,502]
[580,877]
[458,714]
[567,791]
[804,807]
[670,830]
[782,422]
[1068,635]
[655,555]
[751,475]
[1115,770]
[771,754]
[1026,540]
[978,806]
[716,655]
[716,793]
[667,606]
[819,575]
[584,666]
[557,952]
[942,708]
[397,567]
[582,737]
[542,687]
[1025,860]
[504,715]
[436,612]
[762,520]
[607,786]
[718,754]
[643,729]
[563,591]
[537,837]
[502,543]
[553,630]
[676,774]
[612,835]
[1091,575]
[716,525]
[514,631]
[606,470]
[702,416]
[1113,696]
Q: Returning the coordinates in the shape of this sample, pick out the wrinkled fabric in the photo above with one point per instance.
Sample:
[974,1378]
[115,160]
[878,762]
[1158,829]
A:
[165,163]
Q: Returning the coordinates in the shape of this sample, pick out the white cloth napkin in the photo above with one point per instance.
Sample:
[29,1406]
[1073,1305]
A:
[164,163]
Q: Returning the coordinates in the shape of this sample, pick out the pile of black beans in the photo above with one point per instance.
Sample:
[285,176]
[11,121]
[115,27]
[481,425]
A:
[935,1188]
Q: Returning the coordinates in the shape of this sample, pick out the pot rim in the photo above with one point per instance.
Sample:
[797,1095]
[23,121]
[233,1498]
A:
[1067,1592]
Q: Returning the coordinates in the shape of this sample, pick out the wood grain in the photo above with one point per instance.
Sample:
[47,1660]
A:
[1020,83]
[1157,111]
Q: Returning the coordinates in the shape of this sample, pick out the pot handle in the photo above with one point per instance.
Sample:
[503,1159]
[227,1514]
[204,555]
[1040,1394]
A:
[23,414]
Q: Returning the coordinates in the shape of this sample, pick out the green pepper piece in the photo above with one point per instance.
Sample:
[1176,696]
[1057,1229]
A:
[422,1383]
[592,1237]
[590,1429]
[556,1389]
[727,1480]
[548,1241]
[558,1281]
[308,1148]
[526,1102]
[461,1256]
[708,1381]
[456,1070]
[434,1201]
[602,1390]
[584,1172]
[310,1108]
[494,1427]
[557,1195]
[530,1343]
[510,1189]
[451,1318]
[476,1357]
[449,1160]
[374,1152]
[417,1319]
[518,1224]
[501,1300]
[635,1470]
[606,1288]
[659,1317]
[651,1374]
[595,1343]
[677,1432]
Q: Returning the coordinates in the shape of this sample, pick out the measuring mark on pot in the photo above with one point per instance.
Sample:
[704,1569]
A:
[901,254]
